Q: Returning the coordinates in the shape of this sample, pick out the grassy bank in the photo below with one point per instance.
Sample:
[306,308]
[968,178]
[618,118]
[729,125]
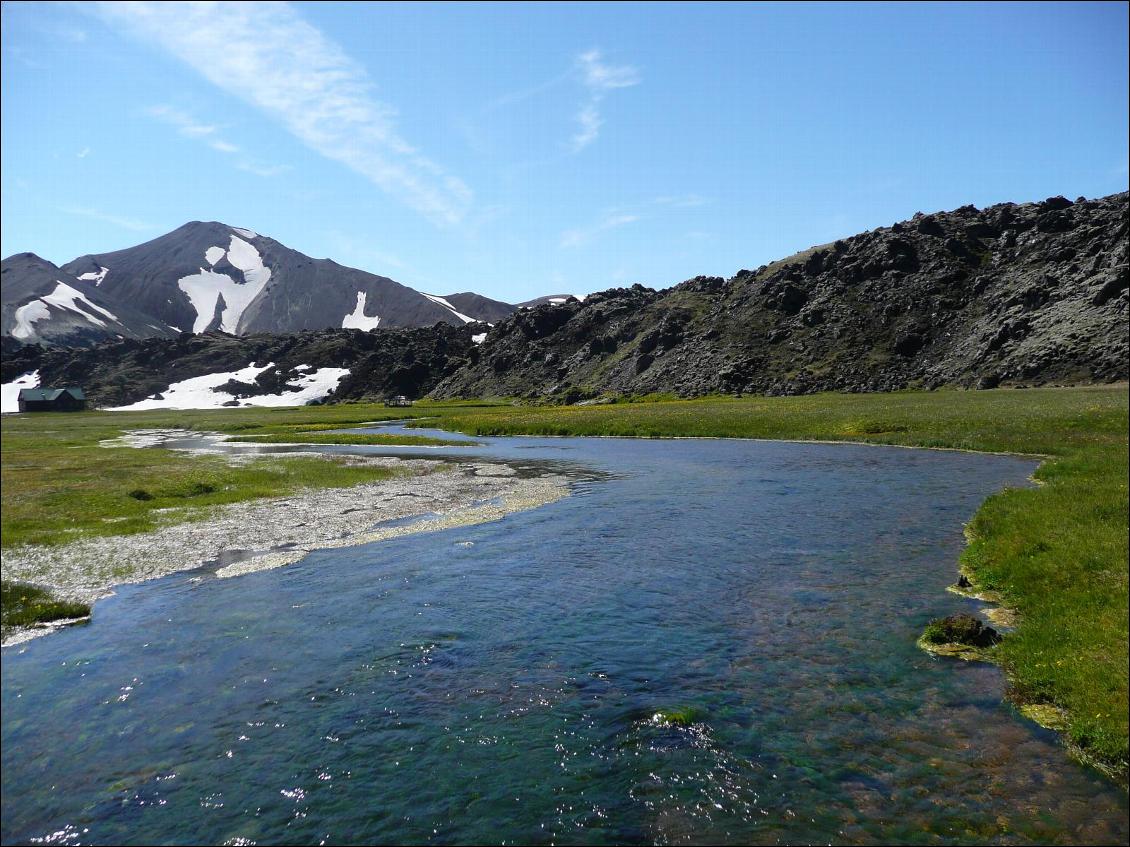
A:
[1056,554]
[58,484]
[24,605]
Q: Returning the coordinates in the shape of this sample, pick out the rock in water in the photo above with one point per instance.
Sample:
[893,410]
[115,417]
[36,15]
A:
[961,629]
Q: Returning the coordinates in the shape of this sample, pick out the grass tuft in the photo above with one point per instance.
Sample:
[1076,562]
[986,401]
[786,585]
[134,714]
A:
[24,605]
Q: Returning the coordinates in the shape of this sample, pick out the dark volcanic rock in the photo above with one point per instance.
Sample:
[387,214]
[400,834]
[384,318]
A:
[1028,294]
[382,363]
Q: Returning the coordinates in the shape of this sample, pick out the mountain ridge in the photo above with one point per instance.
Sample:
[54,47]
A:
[207,275]
[1013,294]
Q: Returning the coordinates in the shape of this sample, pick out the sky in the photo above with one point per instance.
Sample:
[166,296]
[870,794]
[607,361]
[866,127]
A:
[518,150]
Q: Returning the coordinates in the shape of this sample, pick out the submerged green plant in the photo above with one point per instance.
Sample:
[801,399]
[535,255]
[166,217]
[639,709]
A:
[685,716]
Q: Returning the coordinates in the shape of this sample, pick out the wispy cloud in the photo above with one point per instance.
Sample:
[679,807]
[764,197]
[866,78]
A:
[612,220]
[191,127]
[262,170]
[530,91]
[679,201]
[265,54]
[185,124]
[598,78]
[83,153]
[622,216]
[72,34]
[105,217]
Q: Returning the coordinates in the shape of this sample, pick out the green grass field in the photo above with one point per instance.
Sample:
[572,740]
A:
[1057,554]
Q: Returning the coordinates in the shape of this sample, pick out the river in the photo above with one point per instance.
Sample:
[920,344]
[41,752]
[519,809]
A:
[507,682]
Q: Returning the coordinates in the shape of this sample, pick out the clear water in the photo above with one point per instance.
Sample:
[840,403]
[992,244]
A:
[423,690]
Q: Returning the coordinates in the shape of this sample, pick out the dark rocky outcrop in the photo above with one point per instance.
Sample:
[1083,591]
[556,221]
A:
[382,363]
[1009,295]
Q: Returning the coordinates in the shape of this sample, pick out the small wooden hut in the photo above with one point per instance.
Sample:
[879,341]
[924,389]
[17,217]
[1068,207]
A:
[51,400]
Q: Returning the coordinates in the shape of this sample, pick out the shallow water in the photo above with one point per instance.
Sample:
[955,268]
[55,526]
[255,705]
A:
[499,683]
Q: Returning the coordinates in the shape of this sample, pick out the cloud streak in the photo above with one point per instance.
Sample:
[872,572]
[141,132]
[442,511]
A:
[265,54]
[185,124]
[579,237]
[598,78]
[105,217]
[622,216]
[190,127]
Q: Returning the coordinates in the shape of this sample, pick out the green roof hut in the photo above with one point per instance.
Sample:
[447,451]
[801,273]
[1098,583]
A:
[52,400]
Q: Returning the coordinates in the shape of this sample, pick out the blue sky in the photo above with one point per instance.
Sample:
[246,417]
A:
[519,150]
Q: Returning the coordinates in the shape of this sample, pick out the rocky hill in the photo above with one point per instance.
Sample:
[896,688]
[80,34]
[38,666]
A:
[1008,295]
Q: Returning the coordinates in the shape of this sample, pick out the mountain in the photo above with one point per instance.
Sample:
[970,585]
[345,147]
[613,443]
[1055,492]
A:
[1014,295]
[1011,295]
[208,275]
[42,302]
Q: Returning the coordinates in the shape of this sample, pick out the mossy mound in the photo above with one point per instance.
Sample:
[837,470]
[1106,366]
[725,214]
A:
[961,636]
[1046,715]
[960,629]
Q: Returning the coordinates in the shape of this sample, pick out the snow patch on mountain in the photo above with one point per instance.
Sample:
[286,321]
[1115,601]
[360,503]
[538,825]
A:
[246,233]
[479,339]
[557,301]
[10,392]
[357,319]
[440,301]
[95,276]
[201,392]
[63,297]
[204,288]
[245,257]
[214,254]
[26,316]
[66,297]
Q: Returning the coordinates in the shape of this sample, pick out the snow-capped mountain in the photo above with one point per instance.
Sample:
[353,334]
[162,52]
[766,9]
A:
[43,303]
[208,276]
